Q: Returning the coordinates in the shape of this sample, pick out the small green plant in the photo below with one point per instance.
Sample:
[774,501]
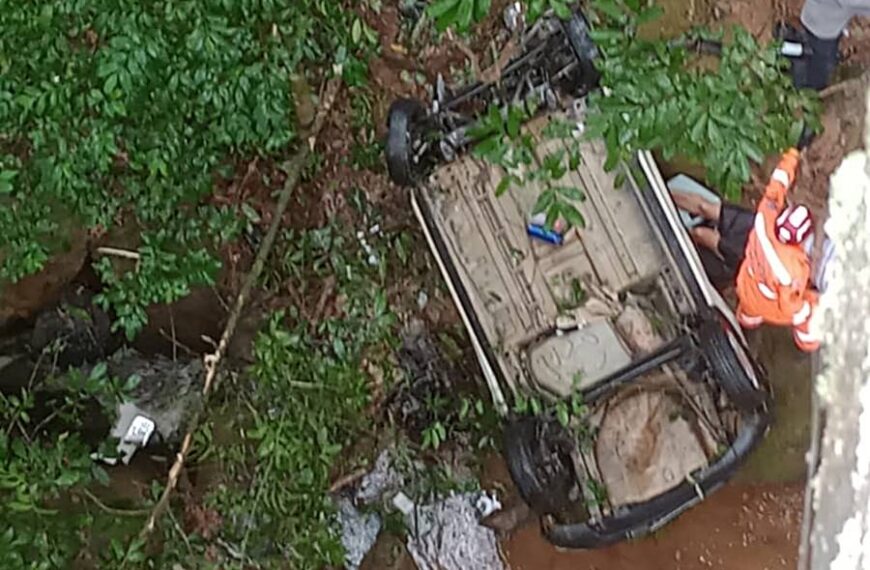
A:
[570,412]
[43,463]
[457,14]
[305,398]
[724,113]
[536,8]
[434,435]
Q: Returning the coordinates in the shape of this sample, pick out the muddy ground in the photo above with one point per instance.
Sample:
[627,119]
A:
[745,527]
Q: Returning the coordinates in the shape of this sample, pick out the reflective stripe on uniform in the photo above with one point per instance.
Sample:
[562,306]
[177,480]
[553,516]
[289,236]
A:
[766,291]
[776,264]
[748,321]
[781,176]
[801,316]
[806,337]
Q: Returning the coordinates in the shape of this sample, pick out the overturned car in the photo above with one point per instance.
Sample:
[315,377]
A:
[619,314]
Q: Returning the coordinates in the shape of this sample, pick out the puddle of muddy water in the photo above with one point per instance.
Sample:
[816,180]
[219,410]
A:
[742,527]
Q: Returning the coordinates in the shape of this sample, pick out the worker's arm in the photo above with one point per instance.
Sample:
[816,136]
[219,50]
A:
[780,181]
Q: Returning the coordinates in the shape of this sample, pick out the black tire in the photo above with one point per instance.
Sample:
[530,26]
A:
[540,470]
[727,368]
[404,123]
[577,31]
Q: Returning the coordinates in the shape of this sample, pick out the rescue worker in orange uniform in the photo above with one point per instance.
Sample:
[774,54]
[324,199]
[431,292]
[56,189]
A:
[773,283]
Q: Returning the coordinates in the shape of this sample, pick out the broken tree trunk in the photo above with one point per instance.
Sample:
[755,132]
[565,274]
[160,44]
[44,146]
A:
[837,528]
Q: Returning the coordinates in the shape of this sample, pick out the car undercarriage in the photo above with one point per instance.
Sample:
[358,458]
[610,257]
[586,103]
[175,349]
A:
[618,316]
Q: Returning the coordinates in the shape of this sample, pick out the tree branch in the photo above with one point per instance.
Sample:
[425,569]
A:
[293,168]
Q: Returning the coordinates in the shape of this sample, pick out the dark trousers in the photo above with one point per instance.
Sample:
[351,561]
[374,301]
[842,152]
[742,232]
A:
[734,226]
[815,71]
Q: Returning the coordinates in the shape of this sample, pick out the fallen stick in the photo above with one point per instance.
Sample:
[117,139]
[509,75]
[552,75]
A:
[347,480]
[293,168]
[855,82]
[117,252]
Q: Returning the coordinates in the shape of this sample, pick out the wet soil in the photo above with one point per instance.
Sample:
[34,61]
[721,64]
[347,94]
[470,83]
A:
[741,527]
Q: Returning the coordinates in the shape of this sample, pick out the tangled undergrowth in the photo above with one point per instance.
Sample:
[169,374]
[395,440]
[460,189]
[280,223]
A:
[116,115]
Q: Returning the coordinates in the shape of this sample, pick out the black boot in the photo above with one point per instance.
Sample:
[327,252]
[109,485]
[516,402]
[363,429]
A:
[822,61]
[813,68]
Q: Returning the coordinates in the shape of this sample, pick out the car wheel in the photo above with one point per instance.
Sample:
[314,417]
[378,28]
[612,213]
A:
[577,31]
[731,366]
[404,123]
[538,464]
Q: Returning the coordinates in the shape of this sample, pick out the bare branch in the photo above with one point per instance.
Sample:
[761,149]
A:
[211,362]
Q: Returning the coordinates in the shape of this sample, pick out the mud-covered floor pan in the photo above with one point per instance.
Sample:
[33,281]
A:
[648,437]
[519,286]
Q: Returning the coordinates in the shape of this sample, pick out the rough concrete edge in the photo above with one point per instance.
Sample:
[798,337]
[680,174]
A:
[840,534]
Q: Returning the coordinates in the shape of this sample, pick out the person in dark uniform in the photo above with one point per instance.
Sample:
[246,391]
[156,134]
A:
[824,22]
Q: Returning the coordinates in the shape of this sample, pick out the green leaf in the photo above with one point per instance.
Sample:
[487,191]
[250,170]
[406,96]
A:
[571,193]
[609,8]
[481,9]
[562,414]
[544,201]
[439,8]
[503,185]
[649,14]
[794,134]
[619,180]
[6,178]
[515,118]
[573,216]
[752,151]
[612,150]
[465,15]
[561,9]
[356,31]
[553,214]
[100,475]
[110,84]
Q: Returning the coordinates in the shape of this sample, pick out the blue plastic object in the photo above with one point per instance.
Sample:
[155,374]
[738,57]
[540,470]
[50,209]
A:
[543,233]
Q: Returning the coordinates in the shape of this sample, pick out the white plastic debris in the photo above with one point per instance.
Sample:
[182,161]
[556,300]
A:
[487,504]
[448,535]
[513,16]
[403,504]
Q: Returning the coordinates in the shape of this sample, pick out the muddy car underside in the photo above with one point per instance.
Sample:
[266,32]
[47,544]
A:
[602,315]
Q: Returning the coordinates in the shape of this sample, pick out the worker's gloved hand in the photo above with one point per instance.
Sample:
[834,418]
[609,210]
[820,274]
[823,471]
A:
[806,138]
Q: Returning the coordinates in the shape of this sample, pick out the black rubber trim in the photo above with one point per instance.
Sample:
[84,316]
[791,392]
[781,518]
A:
[640,519]
[656,359]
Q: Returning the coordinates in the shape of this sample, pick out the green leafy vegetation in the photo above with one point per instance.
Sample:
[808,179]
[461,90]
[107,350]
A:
[43,465]
[125,115]
[458,14]
[305,399]
[723,112]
